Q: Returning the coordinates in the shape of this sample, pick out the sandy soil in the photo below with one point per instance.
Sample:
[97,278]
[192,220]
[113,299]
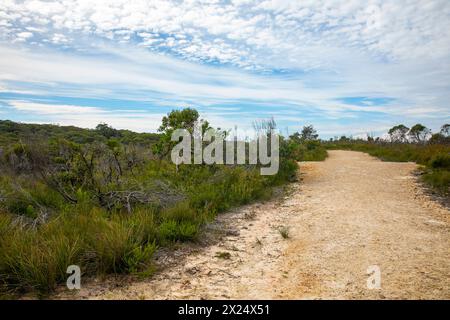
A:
[346,214]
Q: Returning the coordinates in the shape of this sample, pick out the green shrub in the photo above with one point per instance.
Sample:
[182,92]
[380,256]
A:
[110,242]
[440,161]
[171,231]
[315,151]
[18,206]
[438,179]
[139,257]
[84,182]
[287,172]
[182,211]
[312,150]
[143,225]
[46,197]
[29,260]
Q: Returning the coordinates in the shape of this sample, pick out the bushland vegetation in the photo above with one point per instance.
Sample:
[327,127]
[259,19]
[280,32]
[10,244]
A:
[305,145]
[107,199]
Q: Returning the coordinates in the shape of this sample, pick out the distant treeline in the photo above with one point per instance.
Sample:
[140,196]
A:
[418,134]
[12,132]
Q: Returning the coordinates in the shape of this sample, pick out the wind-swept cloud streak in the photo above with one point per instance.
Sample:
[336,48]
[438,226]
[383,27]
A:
[309,62]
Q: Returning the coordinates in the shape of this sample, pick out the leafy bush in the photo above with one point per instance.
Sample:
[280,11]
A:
[172,231]
[100,200]
[439,179]
[139,257]
[440,161]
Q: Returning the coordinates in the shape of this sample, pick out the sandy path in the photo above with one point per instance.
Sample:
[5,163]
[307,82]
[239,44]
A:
[349,212]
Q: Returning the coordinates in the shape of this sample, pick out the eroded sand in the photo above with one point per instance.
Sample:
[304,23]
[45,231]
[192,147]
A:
[348,213]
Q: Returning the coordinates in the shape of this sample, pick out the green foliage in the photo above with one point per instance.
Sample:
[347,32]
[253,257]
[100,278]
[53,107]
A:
[419,133]
[398,133]
[177,119]
[440,161]
[38,258]
[143,224]
[314,151]
[308,133]
[439,138]
[304,146]
[138,257]
[438,179]
[107,131]
[30,260]
[13,132]
[5,223]
[307,150]
[99,200]
[172,231]
[182,211]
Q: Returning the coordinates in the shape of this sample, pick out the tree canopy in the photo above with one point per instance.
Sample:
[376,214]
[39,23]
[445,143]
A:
[419,133]
[399,133]
[177,119]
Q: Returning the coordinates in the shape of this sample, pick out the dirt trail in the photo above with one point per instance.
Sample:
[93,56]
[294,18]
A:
[348,213]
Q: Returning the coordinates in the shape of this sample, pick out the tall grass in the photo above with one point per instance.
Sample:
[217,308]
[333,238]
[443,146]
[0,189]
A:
[101,200]
[36,257]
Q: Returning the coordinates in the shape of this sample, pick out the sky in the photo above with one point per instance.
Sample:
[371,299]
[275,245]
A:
[347,67]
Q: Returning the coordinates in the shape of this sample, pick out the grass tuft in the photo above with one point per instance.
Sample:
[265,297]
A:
[284,231]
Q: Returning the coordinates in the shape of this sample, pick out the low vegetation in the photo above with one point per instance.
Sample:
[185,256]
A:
[107,199]
[305,146]
[284,232]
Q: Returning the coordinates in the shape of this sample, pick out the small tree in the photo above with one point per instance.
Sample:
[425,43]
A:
[445,130]
[107,131]
[398,133]
[419,133]
[437,138]
[296,137]
[177,119]
[442,137]
[308,133]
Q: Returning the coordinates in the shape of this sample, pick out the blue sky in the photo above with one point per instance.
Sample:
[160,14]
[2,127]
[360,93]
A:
[347,67]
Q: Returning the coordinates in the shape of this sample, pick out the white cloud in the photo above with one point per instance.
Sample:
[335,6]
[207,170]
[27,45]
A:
[52,109]
[88,117]
[402,30]
[173,81]
[330,49]
[23,36]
